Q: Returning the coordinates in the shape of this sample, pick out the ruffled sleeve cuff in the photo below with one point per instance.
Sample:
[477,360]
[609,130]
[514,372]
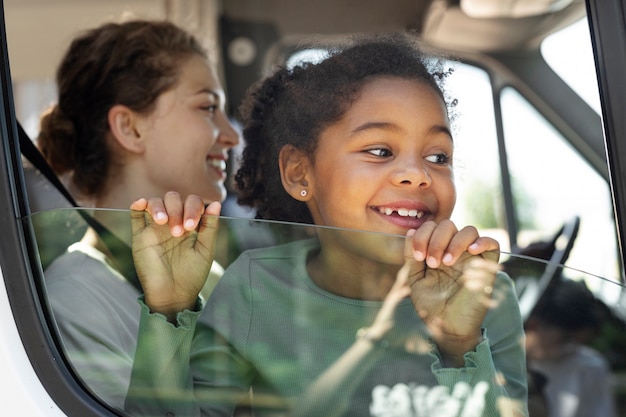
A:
[185,320]
[478,366]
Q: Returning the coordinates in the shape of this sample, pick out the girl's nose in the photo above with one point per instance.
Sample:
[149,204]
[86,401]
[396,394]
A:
[414,174]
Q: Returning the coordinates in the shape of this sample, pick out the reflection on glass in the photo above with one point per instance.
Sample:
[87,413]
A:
[570,54]
[547,196]
[558,333]
[269,337]
[92,299]
[476,160]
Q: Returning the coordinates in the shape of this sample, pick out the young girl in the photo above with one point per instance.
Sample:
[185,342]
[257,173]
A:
[360,141]
[137,100]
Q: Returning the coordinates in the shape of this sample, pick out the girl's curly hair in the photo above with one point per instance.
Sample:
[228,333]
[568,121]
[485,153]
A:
[294,105]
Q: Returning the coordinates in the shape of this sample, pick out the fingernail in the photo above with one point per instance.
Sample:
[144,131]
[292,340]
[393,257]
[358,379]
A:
[177,231]
[189,224]
[432,262]
[418,255]
[447,258]
[159,215]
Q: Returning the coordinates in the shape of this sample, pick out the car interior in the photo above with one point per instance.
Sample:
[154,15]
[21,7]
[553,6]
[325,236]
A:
[537,151]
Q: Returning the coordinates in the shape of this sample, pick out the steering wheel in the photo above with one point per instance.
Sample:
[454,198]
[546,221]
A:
[531,290]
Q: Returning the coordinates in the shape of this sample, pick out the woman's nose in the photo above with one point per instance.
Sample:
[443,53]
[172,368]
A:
[227,134]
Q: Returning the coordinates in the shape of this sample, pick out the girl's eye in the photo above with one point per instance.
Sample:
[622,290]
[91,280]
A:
[438,158]
[382,152]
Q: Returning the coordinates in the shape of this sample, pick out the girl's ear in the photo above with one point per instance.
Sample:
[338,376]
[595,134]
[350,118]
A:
[295,172]
[123,126]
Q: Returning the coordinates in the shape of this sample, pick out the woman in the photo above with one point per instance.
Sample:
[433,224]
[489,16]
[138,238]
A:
[140,110]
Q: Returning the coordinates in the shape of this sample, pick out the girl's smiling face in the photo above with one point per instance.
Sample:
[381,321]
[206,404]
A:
[386,166]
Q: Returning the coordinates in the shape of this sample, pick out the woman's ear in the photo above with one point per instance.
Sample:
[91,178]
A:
[123,125]
[295,172]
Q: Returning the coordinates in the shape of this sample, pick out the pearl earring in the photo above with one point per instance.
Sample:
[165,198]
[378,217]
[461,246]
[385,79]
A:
[303,193]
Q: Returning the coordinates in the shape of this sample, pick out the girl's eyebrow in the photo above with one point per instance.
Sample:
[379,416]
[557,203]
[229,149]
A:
[390,126]
[374,125]
[442,129]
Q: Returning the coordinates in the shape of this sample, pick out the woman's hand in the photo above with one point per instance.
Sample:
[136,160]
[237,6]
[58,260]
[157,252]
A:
[452,273]
[173,243]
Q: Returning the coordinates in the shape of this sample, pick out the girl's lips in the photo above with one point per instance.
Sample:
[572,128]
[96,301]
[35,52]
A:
[406,214]
[405,222]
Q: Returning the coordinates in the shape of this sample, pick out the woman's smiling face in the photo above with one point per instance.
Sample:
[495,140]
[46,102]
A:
[386,166]
[189,135]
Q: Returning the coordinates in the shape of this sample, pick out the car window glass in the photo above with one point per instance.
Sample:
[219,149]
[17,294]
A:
[476,160]
[570,55]
[552,183]
[31,98]
[98,330]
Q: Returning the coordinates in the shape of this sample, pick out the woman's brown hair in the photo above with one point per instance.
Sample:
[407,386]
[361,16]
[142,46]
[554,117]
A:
[129,63]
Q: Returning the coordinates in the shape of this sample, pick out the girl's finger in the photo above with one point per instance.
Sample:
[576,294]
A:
[156,209]
[213,209]
[459,244]
[439,241]
[208,226]
[420,239]
[413,263]
[193,210]
[487,247]
[137,215]
[174,208]
[139,205]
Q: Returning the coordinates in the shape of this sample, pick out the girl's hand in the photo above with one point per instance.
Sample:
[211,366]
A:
[173,243]
[452,276]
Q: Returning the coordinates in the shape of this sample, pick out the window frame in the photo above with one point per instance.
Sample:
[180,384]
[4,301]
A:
[608,38]
[20,266]
[19,263]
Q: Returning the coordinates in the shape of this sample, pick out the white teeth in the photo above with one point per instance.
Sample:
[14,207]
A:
[218,163]
[402,212]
